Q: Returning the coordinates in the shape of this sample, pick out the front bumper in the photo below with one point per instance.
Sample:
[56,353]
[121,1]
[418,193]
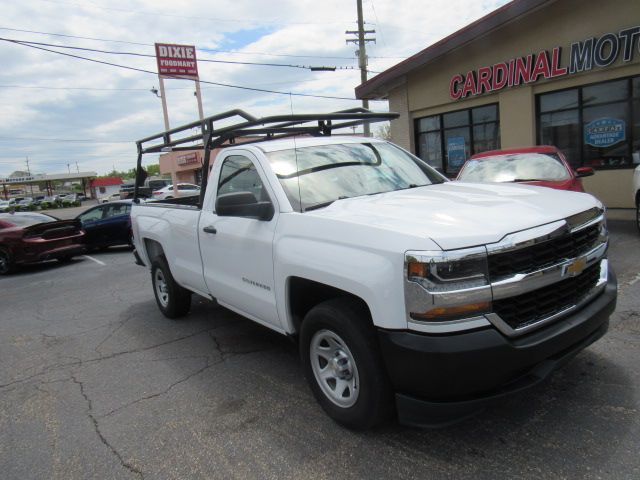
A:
[440,379]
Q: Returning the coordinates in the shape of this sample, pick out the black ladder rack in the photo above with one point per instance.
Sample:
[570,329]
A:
[250,127]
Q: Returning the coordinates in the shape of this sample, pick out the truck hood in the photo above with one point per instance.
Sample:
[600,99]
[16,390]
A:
[458,215]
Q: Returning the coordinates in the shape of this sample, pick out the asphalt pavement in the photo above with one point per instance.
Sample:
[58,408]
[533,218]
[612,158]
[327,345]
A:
[96,383]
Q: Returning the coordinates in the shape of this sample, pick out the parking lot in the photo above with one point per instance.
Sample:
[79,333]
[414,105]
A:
[96,383]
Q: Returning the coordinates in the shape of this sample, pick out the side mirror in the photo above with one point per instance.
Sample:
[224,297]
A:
[243,204]
[584,172]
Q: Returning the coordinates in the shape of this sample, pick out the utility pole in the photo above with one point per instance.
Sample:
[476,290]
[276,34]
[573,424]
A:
[29,172]
[361,41]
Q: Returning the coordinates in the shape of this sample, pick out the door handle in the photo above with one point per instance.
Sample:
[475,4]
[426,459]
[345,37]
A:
[210,229]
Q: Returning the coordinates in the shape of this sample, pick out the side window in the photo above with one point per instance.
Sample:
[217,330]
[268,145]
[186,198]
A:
[239,174]
[115,210]
[92,215]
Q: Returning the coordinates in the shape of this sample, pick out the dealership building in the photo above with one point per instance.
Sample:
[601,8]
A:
[533,72]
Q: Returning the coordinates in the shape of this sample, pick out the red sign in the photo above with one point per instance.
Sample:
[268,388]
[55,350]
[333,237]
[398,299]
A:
[583,56]
[177,60]
[187,159]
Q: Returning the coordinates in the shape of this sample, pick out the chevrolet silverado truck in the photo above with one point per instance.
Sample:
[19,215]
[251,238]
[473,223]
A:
[407,294]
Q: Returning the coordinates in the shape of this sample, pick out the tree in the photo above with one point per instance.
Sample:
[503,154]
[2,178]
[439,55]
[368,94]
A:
[384,132]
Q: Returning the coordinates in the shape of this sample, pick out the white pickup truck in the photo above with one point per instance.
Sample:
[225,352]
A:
[407,293]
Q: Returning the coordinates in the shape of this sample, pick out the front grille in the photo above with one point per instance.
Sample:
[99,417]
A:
[531,307]
[542,255]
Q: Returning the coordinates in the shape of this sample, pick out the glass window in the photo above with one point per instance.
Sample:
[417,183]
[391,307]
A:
[429,123]
[559,100]
[523,167]
[26,220]
[447,148]
[313,177]
[605,92]
[636,87]
[615,151]
[635,133]
[455,119]
[457,144]
[430,149]
[485,114]
[239,174]
[602,131]
[116,209]
[486,137]
[562,129]
[92,215]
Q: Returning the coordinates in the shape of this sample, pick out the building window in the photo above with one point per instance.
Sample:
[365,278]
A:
[446,141]
[595,125]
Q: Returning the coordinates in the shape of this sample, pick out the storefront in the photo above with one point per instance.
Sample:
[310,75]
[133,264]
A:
[534,72]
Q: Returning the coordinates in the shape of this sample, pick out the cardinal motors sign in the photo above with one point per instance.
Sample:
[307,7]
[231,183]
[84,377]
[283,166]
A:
[177,60]
[594,52]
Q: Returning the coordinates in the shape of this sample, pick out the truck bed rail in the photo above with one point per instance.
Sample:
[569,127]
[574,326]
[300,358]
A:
[249,127]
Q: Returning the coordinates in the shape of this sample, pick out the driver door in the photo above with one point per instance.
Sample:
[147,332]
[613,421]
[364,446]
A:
[237,252]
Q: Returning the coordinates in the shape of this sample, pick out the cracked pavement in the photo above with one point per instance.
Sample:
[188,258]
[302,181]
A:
[96,383]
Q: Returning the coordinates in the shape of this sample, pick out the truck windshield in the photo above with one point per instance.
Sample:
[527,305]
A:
[314,177]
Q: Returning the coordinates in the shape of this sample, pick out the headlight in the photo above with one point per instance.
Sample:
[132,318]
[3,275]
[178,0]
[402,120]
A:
[456,284]
[449,271]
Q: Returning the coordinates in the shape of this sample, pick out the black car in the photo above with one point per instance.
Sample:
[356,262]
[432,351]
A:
[107,225]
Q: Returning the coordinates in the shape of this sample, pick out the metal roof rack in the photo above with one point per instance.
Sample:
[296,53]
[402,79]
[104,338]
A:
[248,127]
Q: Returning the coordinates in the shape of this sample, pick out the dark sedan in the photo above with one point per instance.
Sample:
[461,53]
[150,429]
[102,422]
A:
[107,225]
[35,237]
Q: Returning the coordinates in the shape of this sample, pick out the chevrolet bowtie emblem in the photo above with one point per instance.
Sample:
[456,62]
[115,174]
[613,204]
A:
[575,268]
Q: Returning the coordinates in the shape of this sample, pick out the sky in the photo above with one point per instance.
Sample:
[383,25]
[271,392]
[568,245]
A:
[66,114]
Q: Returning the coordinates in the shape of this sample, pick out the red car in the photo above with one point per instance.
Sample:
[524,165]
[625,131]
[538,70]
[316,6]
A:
[544,166]
[35,237]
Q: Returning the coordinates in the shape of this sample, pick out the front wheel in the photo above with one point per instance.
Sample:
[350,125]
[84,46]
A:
[638,215]
[5,263]
[341,358]
[173,300]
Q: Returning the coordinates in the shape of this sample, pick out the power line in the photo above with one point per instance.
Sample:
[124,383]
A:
[210,60]
[208,50]
[126,67]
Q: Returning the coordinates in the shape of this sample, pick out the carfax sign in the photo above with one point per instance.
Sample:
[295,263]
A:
[177,60]
[456,152]
[604,132]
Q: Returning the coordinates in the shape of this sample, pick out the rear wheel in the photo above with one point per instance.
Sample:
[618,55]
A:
[5,263]
[341,358]
[173,300]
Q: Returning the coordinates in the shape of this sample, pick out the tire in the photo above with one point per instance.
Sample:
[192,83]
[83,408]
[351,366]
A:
[173,300]
[356,391]
[65,259]
[6,266]
[168,198]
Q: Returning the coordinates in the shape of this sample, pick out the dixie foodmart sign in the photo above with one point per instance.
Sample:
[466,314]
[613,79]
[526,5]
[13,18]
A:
[594,52]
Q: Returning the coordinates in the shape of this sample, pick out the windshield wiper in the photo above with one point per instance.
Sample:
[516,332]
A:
[527,180]
[322,204]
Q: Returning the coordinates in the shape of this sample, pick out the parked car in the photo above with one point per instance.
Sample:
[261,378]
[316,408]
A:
[544,166]
[71,200]
[182,190]
[405,292]
[5,206]
[151,184]
[25,204]
[110,198]
[107,225]
[31,237]
[38,200]
[636,193]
